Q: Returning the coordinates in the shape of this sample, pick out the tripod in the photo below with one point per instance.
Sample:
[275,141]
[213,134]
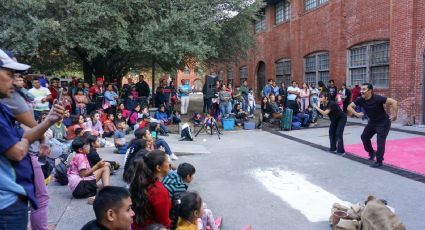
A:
[212,123]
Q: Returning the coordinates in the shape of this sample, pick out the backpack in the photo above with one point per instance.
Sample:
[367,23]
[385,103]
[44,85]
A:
[186,133]
[60,172]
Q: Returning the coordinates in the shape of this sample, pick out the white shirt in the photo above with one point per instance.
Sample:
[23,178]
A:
[39,94]
[292,97]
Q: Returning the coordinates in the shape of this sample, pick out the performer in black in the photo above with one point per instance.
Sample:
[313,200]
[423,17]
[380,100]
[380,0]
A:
[338,121]
[379,122]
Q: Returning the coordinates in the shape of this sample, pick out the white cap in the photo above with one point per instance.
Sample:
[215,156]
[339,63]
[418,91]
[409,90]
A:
[7,62]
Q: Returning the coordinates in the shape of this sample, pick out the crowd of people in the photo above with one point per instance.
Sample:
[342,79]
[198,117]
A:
[45,125]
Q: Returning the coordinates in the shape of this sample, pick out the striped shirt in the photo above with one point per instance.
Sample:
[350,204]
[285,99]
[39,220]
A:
[174,184]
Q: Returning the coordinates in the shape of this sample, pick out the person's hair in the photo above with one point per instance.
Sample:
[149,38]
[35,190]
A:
[54,79]
[135,146]
[321,84]
[109,84]
[292,82]
[87,134]
[262,101]
[77,144]
[140,133]
[344,84]
[92,114]
[156,227]
[78,131]
[120,121]
[185,169]
[270,80]
[110,197]
[369,86]
[75,119]
[110,114]
[91,139]
[189,203]
[134,109]
[80,90]
[174,112]
[139,120]
[143,177]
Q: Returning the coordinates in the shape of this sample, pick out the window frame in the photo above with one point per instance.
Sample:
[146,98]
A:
[314,4]
[261,24]
[284,12]
[230,77]
[369,65]
[245,68]
[286,75]
[318,71]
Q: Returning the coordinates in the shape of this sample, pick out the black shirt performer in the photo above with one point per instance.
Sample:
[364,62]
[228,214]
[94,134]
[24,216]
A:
[379,121]
[338,121]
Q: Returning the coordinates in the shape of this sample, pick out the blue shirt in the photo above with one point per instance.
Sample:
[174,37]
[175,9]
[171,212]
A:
[267,90]
[110,97]
[185,88]
[11,134]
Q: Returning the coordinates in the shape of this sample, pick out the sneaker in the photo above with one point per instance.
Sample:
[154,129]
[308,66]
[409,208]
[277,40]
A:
[173,157]
[372,156]
[332,150]
[376,165]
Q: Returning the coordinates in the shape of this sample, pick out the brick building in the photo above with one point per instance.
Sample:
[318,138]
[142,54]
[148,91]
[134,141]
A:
[379,41]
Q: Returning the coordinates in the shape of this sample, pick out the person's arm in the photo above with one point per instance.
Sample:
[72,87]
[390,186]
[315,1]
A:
[352,109]
[323,112]
[27,119]
[89,171]
[394,105]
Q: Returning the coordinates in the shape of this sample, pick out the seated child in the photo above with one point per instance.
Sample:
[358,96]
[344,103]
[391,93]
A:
[67,120]
[109,126]
[93,157]
[197,119]
[175,118]
[162,115]
[119,138]
[82,179]
[176,185]
[59,131]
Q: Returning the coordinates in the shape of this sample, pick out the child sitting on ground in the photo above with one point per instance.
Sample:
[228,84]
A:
[197,119]
[176,184]
[109,127]
[93,157]
[175,118]
[59,131]
[119,137]
[82,179]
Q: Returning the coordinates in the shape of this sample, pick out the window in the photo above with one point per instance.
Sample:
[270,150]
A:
[220,75]
[230,75]
[282,11]
[316,67]
[369,62]
[283,72]
[260,24]
[311,4]
[243,74]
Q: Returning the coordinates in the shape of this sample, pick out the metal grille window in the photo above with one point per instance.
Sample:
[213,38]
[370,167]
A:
[311,4]
[243,74]
[369,63]
[282,11]
[229,74]
[317,68]
[260,24]
[283,72]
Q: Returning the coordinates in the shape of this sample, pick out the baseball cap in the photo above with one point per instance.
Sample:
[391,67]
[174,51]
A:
[7,62]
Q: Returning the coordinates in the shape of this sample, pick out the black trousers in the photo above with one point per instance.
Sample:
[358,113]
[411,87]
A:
[207,105]
[336,132]
[382,132]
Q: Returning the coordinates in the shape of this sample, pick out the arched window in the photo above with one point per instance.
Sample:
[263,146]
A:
[369,62]
[283,71]
[316,67]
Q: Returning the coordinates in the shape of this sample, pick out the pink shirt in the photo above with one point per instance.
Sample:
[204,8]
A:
[79,162]
[304,93]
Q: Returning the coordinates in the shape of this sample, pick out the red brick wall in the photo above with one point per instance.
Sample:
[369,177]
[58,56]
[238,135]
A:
[337,26]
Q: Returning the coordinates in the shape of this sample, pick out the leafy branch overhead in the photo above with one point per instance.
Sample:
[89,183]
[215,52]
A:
[109,37]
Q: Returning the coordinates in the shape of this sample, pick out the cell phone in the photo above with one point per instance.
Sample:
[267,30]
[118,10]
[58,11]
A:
[58,99]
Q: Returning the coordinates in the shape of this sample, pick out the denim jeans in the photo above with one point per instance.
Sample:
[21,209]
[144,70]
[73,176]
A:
[14,217]
[161,142]
[225,108]
[303,118]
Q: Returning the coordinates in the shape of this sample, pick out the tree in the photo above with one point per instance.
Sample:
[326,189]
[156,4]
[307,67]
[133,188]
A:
[110,37]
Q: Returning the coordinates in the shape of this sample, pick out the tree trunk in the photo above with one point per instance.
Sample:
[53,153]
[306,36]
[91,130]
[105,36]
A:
[88,72]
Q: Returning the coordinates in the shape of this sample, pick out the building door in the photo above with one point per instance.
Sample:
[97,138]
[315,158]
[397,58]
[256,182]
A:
[261,78]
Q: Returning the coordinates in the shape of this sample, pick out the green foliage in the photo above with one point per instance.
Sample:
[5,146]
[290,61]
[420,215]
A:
[108,38]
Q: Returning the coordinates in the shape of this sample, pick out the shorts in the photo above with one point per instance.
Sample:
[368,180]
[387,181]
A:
[85,189]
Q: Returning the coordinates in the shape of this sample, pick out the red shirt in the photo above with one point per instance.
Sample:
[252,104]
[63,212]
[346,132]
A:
[355,93]
[161,206]
[54,93]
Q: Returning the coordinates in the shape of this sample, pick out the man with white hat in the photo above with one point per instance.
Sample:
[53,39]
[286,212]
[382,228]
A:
[17,186]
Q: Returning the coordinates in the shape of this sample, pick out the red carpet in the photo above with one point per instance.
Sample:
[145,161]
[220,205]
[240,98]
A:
[407,154]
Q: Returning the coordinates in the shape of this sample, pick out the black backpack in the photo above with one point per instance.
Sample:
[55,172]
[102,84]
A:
[60,173]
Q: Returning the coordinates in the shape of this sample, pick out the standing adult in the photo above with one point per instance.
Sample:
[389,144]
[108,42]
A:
[345,96]
[184,91]
[225,101]
[268,89]
[244,93]
[379,122]
[54,89]
[293,92]
[283,91]
[96,93]
[332,90]
[338,121]
[355,93]
[17,188]
[126,90]
[41,96]
[143,89]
